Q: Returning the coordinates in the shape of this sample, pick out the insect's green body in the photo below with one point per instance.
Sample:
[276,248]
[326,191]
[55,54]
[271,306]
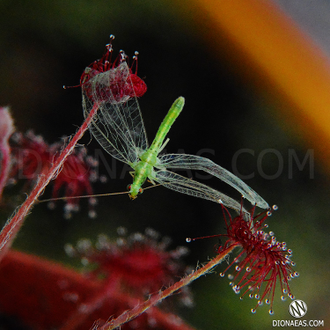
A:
[145,167]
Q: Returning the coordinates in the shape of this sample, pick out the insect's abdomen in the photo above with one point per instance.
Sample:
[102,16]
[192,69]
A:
[166,124]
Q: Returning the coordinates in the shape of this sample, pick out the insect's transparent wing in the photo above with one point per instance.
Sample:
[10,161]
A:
[118,124]
[183,161]
[190,187]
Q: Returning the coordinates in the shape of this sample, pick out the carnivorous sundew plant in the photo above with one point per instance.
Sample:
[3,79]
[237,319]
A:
[262,262]
[32,156]
[125,278]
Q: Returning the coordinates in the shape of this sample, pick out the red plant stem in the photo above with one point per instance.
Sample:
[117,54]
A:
[158,297]
[14,223]
[110,292]
[168,320]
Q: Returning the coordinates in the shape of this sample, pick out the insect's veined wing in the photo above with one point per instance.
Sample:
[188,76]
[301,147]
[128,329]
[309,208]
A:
[118,124]
[190,187]
[182,161]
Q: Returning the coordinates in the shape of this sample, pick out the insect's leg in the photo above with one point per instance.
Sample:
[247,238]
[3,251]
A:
[163,146]
[151,181]
[151,177]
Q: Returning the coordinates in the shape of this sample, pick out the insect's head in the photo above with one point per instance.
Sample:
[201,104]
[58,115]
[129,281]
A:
[134,191]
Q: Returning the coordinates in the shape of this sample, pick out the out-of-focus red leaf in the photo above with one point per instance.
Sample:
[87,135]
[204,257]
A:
[45,295]
[40,293]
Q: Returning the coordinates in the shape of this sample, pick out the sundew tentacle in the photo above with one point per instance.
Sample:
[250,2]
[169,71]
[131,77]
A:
[262,263]
[134,87]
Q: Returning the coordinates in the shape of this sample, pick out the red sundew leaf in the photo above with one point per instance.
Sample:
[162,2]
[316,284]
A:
[263,263]
[46,295]
[32,156]
[142,263]
[40,293]
[114,83]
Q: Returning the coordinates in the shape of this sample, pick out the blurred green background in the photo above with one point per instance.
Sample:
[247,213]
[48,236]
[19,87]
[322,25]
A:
[45,44]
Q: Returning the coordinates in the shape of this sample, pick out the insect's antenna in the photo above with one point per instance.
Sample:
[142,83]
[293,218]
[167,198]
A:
[188,239]
[83,196]
[91,196]
[152,186]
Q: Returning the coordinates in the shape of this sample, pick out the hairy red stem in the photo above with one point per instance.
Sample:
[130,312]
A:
[14,223]
[158,297]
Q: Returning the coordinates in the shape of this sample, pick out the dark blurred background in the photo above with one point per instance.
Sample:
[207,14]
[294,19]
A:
[44,45]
